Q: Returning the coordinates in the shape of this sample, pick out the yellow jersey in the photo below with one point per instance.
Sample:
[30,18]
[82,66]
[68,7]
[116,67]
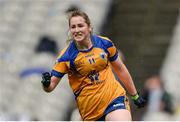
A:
[90,75]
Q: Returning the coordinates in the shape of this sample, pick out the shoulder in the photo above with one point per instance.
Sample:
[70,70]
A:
[103,41]
[67,52]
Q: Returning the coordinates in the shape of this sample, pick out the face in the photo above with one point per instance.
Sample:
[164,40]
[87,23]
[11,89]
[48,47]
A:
[79,29]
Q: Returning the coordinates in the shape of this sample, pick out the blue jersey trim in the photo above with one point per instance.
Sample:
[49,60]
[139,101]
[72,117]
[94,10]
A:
[57,74]
[102,43]
[70,55]
[86,50]
[71,52]
[114,57]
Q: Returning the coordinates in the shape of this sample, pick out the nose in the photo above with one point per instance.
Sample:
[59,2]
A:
[76,29]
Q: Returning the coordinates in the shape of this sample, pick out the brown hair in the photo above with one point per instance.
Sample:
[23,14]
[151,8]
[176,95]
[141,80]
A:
[79,13]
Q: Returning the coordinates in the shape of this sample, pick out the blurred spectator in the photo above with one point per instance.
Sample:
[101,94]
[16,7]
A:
[47,44]
[71,9]
[159,101]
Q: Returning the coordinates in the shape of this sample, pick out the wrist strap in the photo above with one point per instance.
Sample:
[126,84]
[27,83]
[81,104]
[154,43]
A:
[135,97]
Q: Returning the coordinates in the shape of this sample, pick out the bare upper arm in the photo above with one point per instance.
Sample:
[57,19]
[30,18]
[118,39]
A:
[117,64]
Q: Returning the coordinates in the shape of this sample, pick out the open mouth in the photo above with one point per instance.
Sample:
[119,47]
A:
[78,35]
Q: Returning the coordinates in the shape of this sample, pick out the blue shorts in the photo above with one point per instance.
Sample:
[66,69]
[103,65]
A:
[118,103]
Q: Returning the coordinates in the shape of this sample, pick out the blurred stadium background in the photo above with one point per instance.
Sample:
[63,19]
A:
[33,31]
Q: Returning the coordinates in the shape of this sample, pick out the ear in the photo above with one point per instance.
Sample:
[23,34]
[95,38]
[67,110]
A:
[90,29]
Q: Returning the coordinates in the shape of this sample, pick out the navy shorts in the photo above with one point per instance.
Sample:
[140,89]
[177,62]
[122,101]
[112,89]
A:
[118,103]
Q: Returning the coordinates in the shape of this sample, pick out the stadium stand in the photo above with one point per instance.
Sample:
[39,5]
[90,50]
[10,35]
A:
[136,23]
[170,70]
[22,23]
[143,31]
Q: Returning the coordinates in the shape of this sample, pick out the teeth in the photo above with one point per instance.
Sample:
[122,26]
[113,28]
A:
[78,35]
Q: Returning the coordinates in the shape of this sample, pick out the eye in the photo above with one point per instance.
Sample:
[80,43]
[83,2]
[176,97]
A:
[80,25]
[73,26]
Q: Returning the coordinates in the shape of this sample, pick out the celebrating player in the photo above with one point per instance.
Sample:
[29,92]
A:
[88,60]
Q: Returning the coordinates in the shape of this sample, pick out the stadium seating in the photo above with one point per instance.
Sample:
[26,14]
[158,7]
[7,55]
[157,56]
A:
[22,23]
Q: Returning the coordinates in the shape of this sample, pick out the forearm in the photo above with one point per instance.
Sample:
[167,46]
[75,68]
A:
[48,89]
[126,79]
[53,84]
[124,75]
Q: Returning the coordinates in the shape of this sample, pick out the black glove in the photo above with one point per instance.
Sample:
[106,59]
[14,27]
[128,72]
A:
[138,101]
[46,79]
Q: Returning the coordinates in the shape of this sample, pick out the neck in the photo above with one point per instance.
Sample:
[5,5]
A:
[84,45]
